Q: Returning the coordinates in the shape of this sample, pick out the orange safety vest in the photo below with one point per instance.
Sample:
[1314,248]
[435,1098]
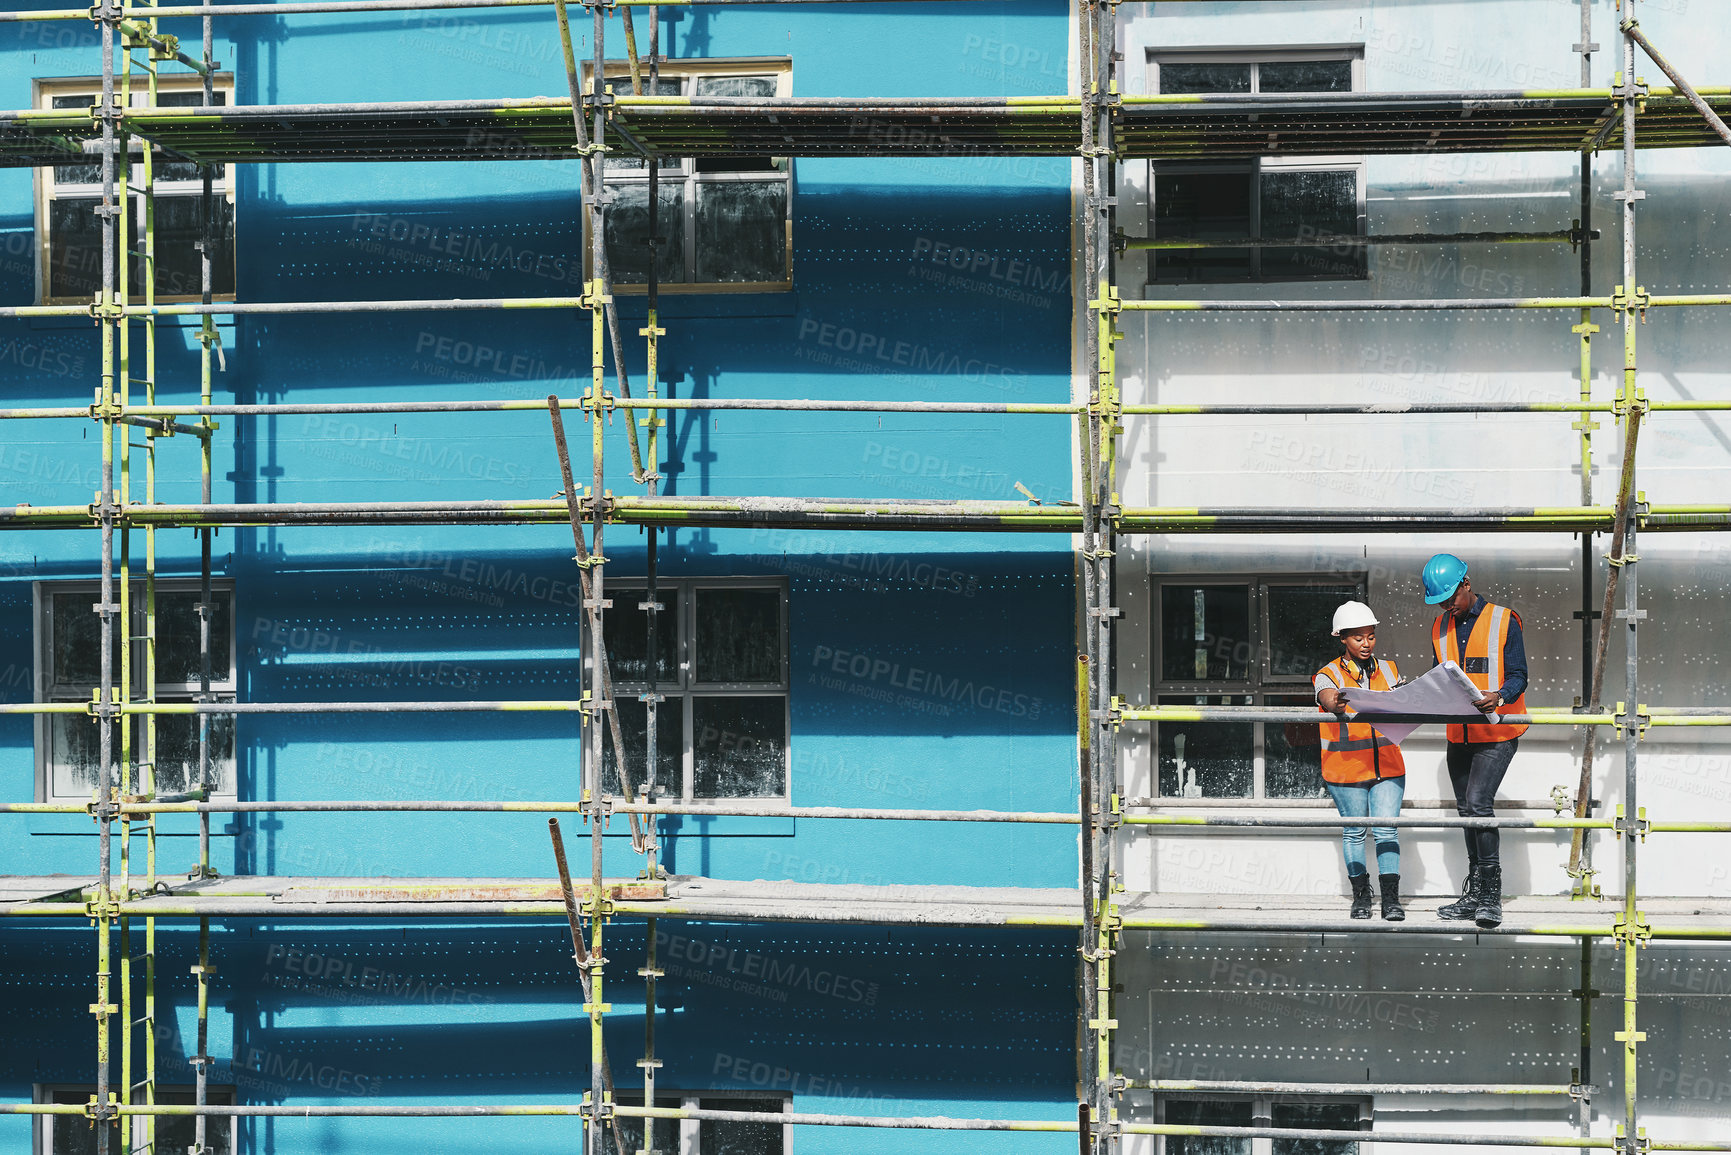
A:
[1354,752]
[1483,664]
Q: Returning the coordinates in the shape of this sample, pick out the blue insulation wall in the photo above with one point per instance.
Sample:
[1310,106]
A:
[926,670]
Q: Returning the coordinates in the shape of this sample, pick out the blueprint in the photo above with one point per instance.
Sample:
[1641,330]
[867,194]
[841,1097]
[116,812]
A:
[1444,690]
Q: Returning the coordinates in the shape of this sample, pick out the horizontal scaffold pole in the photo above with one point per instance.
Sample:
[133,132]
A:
[156,413]
[866,514]
[1246,1087]
[1423,304]
[746,810]
[461,304]
[1719,716]
[812,1119]
[294,7]
[1353,240]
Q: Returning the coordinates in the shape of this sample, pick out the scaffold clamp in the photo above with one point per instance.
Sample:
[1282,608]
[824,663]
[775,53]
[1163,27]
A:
[1621,299]
[1108,302]
[1622,405]
[1640,719]
[1639,827]
[595,295]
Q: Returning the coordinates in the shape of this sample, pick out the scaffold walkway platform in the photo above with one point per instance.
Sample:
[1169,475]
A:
[699,899]
[1223,126]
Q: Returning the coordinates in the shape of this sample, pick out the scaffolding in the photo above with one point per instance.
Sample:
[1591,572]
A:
[1100,128]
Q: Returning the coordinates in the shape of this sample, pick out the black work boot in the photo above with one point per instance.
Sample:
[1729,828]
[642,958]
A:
[1490,910]
[1360,895]
[1392,911]
[1467,906]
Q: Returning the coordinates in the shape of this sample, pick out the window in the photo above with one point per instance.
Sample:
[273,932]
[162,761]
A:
[73,1134]
[1270,198]
[707,1136]
[69,233]
[722,673]
[725,222]
[69,648]
[1283,1111]
[1243,641]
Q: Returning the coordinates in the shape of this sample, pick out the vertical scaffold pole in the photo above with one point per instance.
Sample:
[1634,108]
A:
[651,474]
[1630,930]
[108,17]
[207,339]
[1104,396]
[599,687]
[1581,847]
[149,779]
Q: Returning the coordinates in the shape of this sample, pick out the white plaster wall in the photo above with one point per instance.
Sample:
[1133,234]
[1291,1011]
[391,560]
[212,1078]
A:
[1374,463]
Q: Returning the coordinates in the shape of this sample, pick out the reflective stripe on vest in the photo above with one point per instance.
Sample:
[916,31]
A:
[1355,752]
[1485,642]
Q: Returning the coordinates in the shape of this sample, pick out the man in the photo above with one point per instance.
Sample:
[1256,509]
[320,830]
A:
[1485,640]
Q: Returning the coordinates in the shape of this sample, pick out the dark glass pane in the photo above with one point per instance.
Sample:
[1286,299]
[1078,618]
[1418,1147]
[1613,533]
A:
[716,1138]
[741,231]
[628,232]
[669,736]
[736,164]
[77,635]
[1207,1113]
[1309,204]
[1205,633]
[738,635]
[1207,759]
[665,1133]
[1292,753]
[627,629]
[175,1133]
[74,1134]
[179,232]
[177,654]
[75,248]
[177,752]
[1316,1117]
[1202,206]
[1299,621]
[1305,76]
[739,746]
[734,86]
[1176,77]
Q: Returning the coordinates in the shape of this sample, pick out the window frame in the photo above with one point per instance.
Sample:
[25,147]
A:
[46,190]
[1260,682]
[42,1138]
[48,687]
[1254,169]
[690,1130]
[685,688]
[1262,1113]
[618,81]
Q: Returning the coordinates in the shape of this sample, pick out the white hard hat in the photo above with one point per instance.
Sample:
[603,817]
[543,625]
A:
[1351,616]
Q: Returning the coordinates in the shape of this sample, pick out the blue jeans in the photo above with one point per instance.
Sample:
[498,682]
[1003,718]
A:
[1370,800]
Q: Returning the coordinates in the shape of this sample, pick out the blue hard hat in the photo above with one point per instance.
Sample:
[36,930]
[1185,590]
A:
[1443,575]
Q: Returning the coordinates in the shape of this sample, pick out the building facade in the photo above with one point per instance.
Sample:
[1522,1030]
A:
[928,436]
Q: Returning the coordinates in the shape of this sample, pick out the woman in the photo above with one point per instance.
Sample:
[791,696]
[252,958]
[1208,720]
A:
[1362,770]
